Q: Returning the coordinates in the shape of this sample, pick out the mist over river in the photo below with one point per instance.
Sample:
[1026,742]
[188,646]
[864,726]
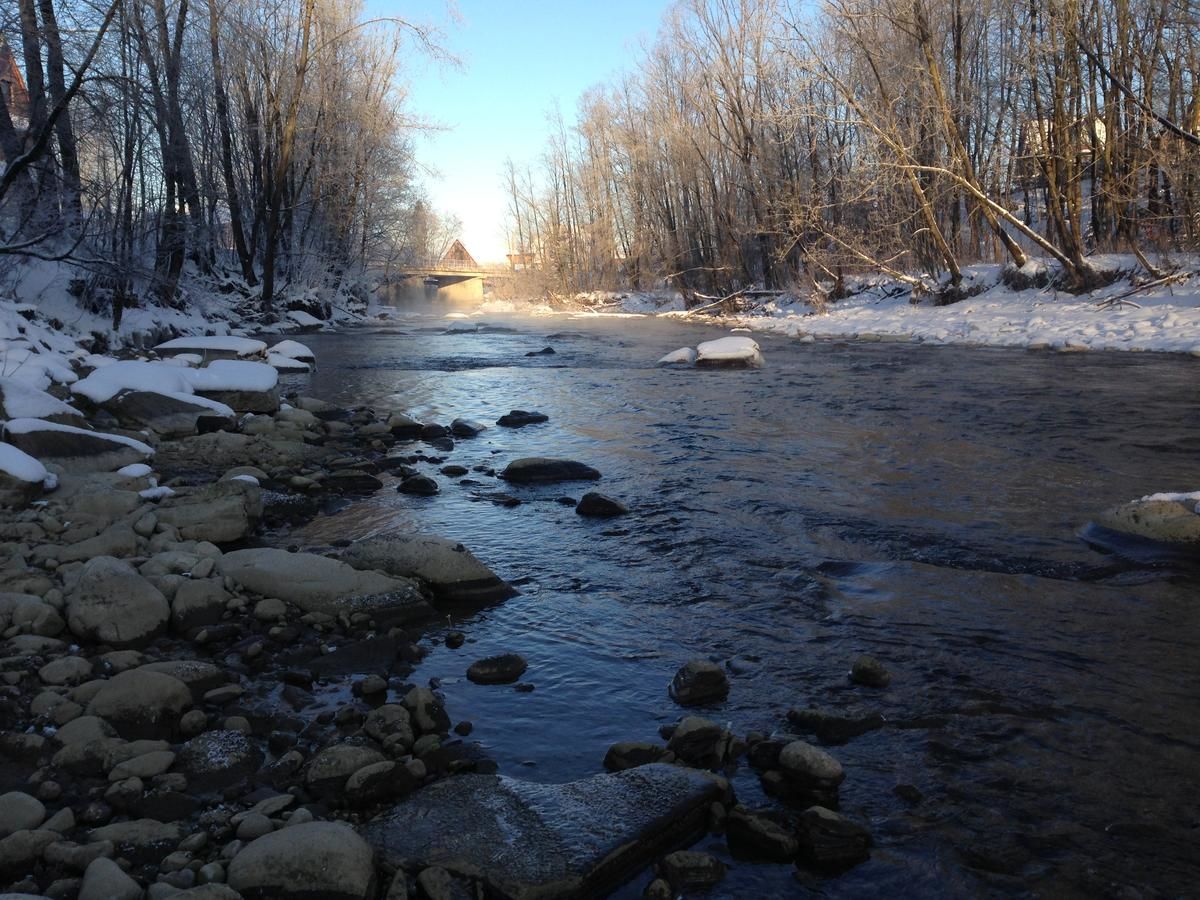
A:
[921,504]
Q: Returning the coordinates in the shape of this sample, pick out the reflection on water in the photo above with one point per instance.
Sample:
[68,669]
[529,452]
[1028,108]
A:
[920,504]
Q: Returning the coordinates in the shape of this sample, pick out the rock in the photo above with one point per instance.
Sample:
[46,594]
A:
[110,603]
[402,426]
[169,416]
[832,728]
[542,470]
[418,485]
[599,506]
[807,775]
[20,812]
[465,428]
[388,720]
[21,849]
[317,584]
[221,512]
[200,677]
[688,870]
[222,450]
[270,610]
[630,754]
[831,841]
[75,449]
[352,481]
[868,671]
[330,768]
[503,669]
[253,826]
[1166,518]
[66,670]
[699,742]
[316,859]
[145,766]
[699,682]
[577,839]
[198,602]
[729,352]
[379,781]
[141,704]
[84,730]
[758,837]
[217,759]
[139,838]
[545,351]
[29,614]
[451,570]
[426,711]
[104,880]
[519,418]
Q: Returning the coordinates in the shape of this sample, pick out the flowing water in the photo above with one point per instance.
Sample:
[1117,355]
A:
[922,504]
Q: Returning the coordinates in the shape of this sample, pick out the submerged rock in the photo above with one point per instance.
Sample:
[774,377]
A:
[518,418]
[503,669]
[699,682]
[544,470]
[541,840]
[450,569]
[869,672]
[600,506]
[829,840]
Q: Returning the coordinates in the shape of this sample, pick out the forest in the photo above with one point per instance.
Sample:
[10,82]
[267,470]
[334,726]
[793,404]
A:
[250,146]
[778,144]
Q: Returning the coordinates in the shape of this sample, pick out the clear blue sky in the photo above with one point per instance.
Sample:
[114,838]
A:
[518,60]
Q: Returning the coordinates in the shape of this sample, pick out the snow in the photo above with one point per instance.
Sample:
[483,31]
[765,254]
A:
[250,479]
[239,345]
[683,356]
[1194,496]
[133,375]
[186,360]
[21,401]
[455,315]
[20,465]
[303,319]
[729,349]
[287,363]
[28,426]
[156,493]
[293,350]
[135,470]
[38,370]
[233,375]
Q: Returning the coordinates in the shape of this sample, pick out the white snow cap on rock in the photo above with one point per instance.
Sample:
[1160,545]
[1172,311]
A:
[287,363]
[728,350]
[306,320]
[23,401]
[293,350]
[20,465]
[132,375]
[683,356]
[37,370]
[233,375]
[239,345]
[134,470]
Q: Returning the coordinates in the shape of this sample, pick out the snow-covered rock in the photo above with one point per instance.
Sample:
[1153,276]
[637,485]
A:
[684,356]
[244,386]
[19,400]
[304,322]
[75,449]
[729,351]
[287,364]
[225,347]
[293,350]
[38,370]
[132,375]
[22,477]
[1167,518]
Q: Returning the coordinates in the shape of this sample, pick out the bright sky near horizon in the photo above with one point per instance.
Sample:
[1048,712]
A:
[518,60]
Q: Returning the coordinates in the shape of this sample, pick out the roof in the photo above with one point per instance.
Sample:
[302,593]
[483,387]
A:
[458,254]
[14,91]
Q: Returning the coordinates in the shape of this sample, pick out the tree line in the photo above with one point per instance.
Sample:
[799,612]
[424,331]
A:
[762,142]
[253,143]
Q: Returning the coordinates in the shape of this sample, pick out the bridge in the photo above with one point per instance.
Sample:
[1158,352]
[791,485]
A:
[455,282]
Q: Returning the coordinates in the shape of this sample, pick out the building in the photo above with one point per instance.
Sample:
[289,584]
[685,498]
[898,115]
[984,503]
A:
[13,92]
[457,257]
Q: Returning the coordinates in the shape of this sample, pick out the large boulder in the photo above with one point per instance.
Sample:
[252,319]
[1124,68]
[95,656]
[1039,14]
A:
[543,470]
[108,602]
[169,415]
[141,704]
[220,512]
[303,862]
[22,478]
[450,569]
[321,585]
[74,449]
[527,840]
[223,450]
[1166,518]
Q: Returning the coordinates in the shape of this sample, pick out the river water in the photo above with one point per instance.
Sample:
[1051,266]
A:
[922,504]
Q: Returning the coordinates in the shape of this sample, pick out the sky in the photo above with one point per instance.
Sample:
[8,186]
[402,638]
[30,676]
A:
[518,59]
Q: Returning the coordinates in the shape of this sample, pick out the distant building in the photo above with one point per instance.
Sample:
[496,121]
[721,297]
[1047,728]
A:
[521,262]
[457,257]
[13,92]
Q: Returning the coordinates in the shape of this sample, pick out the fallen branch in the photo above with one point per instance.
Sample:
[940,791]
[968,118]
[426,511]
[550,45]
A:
[1121,299]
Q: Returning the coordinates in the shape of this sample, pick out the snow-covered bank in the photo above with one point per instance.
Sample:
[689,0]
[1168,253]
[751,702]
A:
[1135,312]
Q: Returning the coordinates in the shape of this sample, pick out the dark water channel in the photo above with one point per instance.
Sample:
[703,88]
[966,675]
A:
[921,504]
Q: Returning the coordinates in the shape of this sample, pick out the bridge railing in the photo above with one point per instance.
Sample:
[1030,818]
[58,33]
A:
[450,265]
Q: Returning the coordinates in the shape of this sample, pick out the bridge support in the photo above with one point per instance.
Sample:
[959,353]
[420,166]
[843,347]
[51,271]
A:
[460,292]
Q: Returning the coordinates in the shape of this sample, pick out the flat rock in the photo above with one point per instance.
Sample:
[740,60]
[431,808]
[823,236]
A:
[1170,521]
[318,584]
[544,470]
[141,704]
[503,669]
[169,416]
[77,449]
[304,862]
[220,512]
[216,759]
[110,603]
[450,569]
[527,840]
[519,418]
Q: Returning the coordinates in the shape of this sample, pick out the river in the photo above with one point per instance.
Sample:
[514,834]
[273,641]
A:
[918,503]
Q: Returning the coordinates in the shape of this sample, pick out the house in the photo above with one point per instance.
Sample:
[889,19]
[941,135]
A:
[13,92]
[521,262]
[457,257]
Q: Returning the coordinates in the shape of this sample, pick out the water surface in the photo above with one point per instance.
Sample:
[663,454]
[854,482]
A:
[918,503]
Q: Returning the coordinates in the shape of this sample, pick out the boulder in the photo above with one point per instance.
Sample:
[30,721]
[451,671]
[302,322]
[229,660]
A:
[166,415]
[690,870]
[223,450]
[699,682]
[519,418]
[419,485]
[141,704]
[870,672]
[453,573]
[20,812]
[318,584]
[730,353]
[758,837]
[75,449]
[198,602]
[217,759]
[699,742]
[599,506]
[465,428]
[528,840]
[117,540]
[630,754]
[29,614]
[221,512]
[105,880]
[316,859]
[330,768]
[543,470]
[503,669]
[108,602]
[1166,518]
[830,841]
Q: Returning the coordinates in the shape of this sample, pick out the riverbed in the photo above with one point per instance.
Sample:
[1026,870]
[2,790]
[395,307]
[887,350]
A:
[921,504]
